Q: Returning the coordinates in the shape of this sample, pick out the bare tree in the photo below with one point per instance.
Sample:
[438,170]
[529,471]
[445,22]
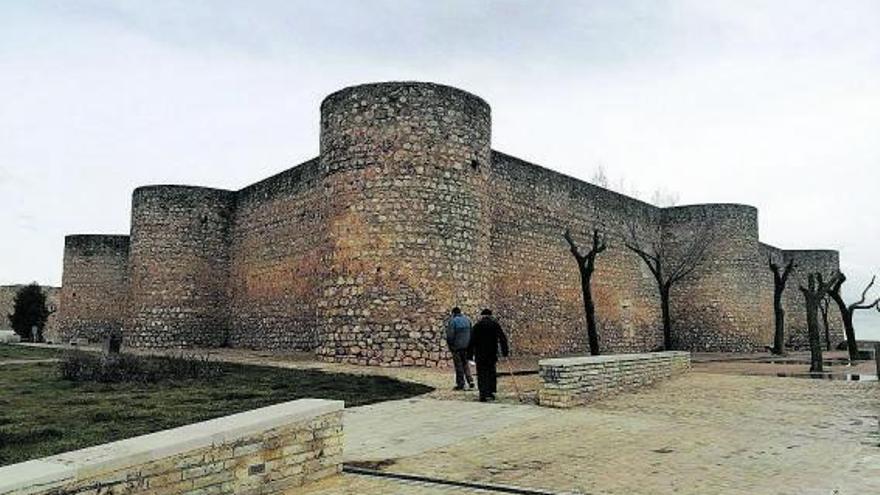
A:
[846,311]
[669,268]
[586,264]
[600,178]
[823,310]
[663,198]
[814,292]
[780,277]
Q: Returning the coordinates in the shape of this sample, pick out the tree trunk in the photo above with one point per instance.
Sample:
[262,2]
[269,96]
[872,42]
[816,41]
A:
[827,329]
[667,323]
[590,311]
[813,331]
[847,316]
[849,330]
[779,313]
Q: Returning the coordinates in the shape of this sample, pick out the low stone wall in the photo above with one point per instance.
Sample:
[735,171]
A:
[263,451]
[569,382]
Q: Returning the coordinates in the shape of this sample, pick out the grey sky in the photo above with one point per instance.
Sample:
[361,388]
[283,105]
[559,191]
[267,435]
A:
[771,103]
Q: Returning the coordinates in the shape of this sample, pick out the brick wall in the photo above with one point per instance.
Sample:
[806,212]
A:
[271,450]
[569,382]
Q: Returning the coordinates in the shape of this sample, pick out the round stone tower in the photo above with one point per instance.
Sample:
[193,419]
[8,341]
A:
[404,168]
[723,304]
[179,265]
[94,286]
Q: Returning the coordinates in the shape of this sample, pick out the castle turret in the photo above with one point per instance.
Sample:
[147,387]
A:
[179,263]
[94,286]
[404,169]
[723,304]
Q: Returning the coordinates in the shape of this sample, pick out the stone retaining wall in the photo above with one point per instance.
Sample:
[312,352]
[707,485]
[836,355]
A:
[264,451]
[569,382]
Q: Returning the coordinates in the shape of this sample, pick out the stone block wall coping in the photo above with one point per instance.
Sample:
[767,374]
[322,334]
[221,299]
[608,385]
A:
[39,474]
[610,358]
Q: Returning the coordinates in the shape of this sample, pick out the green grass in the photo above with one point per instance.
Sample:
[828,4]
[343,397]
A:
[14,351]
[42,414]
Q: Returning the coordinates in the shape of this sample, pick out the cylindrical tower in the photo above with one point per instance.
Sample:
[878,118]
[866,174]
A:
[404,170]
[179,266]
[93,287]
[722,305]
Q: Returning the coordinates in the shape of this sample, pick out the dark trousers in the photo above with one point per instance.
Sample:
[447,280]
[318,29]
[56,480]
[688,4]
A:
[486,377]
[462,368]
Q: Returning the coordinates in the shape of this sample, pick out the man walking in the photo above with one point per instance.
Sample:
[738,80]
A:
[486,337]
[458,338]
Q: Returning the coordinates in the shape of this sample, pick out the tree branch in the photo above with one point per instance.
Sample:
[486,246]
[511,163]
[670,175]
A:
[574,249]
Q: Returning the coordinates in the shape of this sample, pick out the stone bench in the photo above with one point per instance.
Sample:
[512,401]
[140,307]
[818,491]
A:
[267,450]
[569,382]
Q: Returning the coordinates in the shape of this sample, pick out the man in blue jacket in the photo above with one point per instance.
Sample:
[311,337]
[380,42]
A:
[458,338]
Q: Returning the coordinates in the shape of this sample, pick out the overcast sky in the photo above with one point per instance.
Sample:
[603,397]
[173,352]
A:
[772,103]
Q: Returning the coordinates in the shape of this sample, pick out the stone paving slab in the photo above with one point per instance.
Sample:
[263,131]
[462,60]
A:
[702,433]
[348,484]
[409,427]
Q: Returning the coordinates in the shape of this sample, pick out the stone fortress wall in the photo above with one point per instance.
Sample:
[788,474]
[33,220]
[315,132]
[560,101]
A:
[358,254]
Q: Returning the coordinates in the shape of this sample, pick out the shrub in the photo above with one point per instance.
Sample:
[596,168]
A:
[80,366]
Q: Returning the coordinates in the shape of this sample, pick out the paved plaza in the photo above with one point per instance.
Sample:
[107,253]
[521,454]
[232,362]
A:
[701,433]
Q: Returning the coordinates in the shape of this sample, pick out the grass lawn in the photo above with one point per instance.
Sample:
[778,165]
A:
[42,414]
[12,351]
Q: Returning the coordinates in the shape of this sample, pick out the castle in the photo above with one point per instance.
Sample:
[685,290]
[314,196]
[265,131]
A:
[359,253]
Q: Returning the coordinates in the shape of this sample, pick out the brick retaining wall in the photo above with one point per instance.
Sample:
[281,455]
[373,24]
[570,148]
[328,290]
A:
[569,382]
[267,451]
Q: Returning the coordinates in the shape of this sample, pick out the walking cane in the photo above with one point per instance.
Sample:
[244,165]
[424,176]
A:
[513,377]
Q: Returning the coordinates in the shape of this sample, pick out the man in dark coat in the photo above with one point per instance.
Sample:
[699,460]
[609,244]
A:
[486,337]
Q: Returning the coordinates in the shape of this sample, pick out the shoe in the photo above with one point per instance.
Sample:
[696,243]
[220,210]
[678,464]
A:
[483,399]
[471,386]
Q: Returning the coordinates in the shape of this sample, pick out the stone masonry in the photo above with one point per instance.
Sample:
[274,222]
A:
[272,450]
[359,253]
[569,382]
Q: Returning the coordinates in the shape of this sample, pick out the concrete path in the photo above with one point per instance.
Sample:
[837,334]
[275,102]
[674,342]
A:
[409,427]
[28,361]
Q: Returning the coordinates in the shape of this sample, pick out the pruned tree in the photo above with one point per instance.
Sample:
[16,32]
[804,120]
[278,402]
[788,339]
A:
[668,267]
[814,292]
[846,311]
[586,265]
[823,310]
[780,277]
[29,311]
